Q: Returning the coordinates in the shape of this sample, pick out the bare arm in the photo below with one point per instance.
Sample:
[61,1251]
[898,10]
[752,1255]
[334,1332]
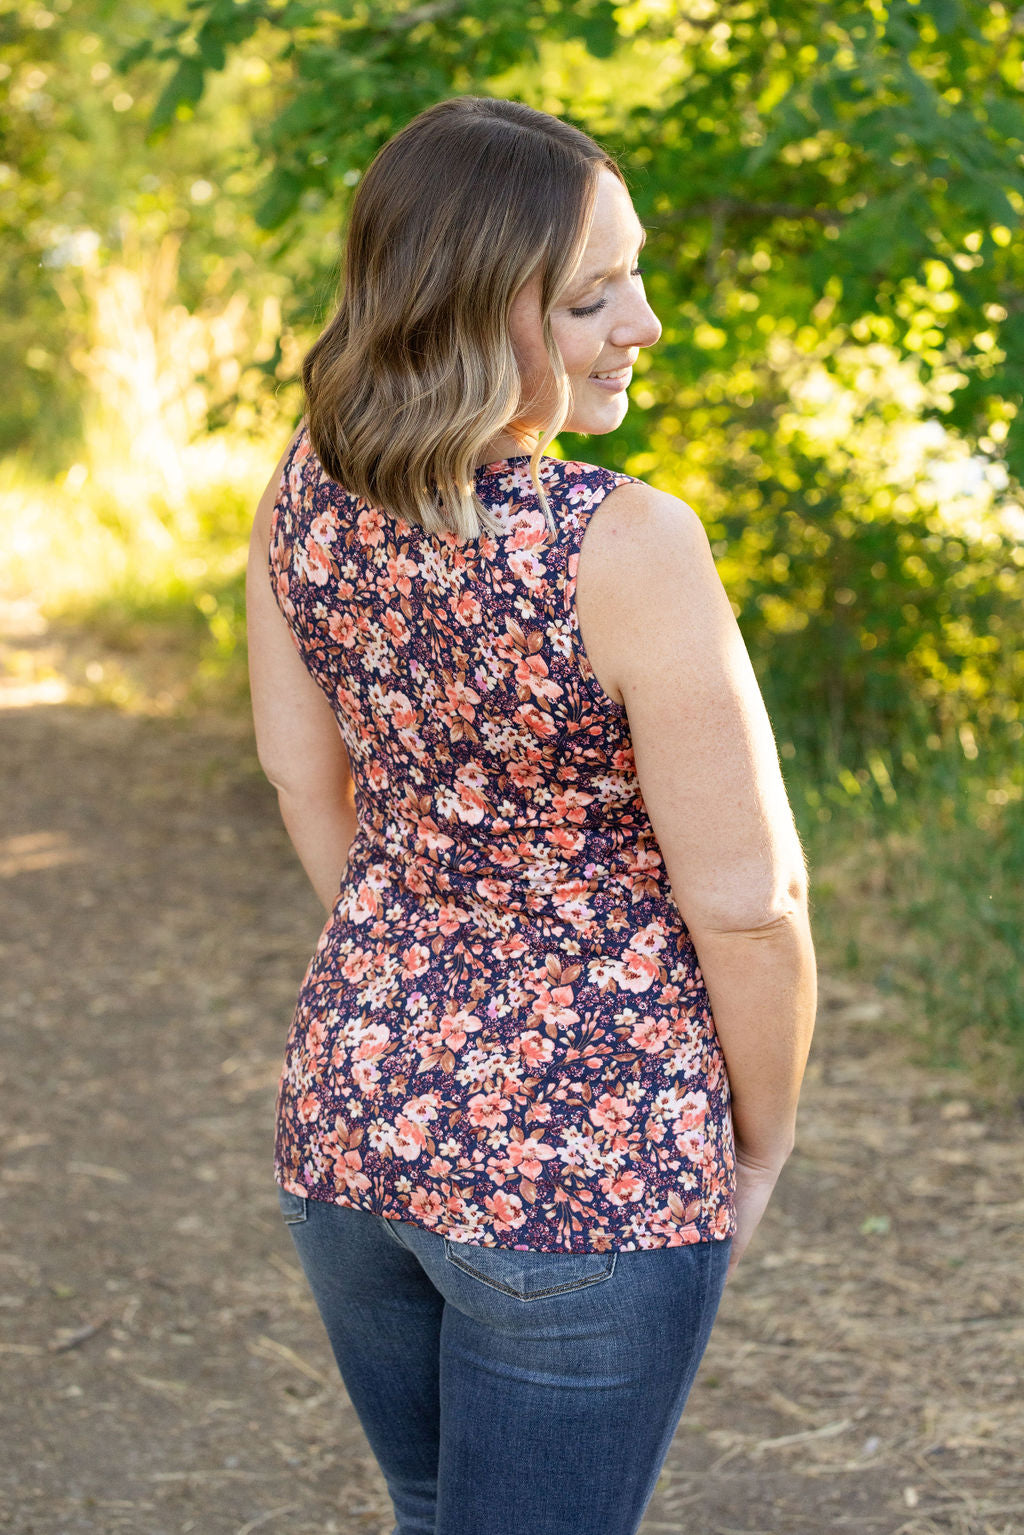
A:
[297,737]
[662,638]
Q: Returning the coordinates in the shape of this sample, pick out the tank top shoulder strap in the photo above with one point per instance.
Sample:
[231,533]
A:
[579,491]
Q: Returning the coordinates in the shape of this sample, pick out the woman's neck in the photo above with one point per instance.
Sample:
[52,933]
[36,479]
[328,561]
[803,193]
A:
[509,445]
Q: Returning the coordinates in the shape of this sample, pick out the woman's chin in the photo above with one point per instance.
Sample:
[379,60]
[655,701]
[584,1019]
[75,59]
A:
[596,425]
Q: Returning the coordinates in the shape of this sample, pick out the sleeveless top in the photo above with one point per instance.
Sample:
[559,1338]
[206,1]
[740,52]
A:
[503,1034]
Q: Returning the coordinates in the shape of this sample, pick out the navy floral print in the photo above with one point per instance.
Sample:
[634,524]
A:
[503,1035]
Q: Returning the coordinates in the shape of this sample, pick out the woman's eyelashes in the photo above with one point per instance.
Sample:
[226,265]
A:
[589,309]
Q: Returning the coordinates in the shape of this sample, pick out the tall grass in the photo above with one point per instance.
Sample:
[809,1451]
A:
[918,889]
[142,541]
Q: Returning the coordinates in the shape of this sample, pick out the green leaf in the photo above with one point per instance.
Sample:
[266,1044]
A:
[280,199]
[599,32]
[1006,117]
[184,87]
[211,47]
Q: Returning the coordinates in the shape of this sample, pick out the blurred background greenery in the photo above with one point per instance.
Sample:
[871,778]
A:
[834,195]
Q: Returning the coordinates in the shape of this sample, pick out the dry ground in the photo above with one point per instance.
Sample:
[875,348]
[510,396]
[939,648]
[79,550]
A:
[163,1369]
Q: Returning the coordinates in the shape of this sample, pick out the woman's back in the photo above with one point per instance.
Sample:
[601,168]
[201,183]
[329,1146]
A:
[504,1034]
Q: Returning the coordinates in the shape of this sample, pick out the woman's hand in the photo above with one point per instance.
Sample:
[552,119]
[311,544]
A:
[755,1182]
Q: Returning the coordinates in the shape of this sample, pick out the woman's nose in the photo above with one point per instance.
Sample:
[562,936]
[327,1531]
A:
[639,327]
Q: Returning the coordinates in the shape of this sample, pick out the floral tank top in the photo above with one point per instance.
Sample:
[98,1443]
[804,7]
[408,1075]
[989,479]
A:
[503,1035]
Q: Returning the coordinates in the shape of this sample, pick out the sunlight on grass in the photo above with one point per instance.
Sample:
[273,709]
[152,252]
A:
[145,579]
[138,551]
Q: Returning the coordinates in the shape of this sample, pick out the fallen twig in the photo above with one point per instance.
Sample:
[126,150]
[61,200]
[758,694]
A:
[79,1336]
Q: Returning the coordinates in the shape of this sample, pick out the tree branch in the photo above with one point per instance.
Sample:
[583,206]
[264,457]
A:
[436,10]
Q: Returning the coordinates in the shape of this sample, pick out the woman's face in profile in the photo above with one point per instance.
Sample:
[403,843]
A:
[600,321]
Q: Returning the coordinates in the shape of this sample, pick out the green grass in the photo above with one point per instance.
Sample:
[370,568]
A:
[144,598]
[919,890]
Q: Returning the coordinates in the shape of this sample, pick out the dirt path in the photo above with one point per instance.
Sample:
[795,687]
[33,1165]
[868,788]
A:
[163,1369]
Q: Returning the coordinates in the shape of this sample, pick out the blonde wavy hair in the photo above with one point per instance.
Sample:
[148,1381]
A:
[416,372]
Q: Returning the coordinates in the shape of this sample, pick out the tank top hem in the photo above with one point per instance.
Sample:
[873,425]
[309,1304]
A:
[545,1236]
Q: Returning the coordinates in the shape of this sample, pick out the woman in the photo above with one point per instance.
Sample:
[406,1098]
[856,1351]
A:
[567,904]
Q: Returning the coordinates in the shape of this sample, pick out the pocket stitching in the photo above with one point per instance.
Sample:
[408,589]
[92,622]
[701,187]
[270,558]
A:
[456,1260]
[296,1214]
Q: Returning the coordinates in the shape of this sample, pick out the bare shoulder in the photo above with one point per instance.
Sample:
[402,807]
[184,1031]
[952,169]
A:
[643,533]
[647,586]
[640,541]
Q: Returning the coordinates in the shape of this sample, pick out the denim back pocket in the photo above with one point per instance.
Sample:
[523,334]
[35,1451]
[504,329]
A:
[293,1206]
[529,1275]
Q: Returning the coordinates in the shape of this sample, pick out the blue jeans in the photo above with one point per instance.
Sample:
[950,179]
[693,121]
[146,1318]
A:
[504,1392]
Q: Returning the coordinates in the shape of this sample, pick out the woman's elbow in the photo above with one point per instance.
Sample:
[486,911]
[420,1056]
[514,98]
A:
[307,782]
[753,906]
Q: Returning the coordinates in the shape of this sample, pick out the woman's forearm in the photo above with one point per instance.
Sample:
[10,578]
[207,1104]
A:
[763,988]
[321,830]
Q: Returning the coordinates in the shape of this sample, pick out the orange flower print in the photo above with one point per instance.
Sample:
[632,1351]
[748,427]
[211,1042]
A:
[526,775]
[553,1005]
[415,961]
[409,1138]
[565,837]
[427,1205]
[396,626]
[308,1108]
[455,1027]
[366,1075]
[535,1048]
[648,940]
[503,1034]
[571,805]
[532,677]
[370,526]
[637,972]
[343,629]
[528,1157]
[400,572]
[372,1041]
[467,609]
[323,530]
[541,724]
[526,567]
[317,564]
[431,836]
[460,699]
[488,1109]
[348,1171]
[692,1111]
[506,1211]
[611,1113]
[627,1187]
[422,1109]
[356,964]
[403,714]
[365,905]
[650,1034]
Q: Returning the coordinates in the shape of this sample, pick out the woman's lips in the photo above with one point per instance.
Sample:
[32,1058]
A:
[612,382]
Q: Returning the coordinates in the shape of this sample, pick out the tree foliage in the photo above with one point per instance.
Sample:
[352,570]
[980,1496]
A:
[832,190]
[819,181]
[863,159]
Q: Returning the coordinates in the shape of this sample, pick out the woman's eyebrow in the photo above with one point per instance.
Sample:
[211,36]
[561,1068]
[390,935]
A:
[582,283]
